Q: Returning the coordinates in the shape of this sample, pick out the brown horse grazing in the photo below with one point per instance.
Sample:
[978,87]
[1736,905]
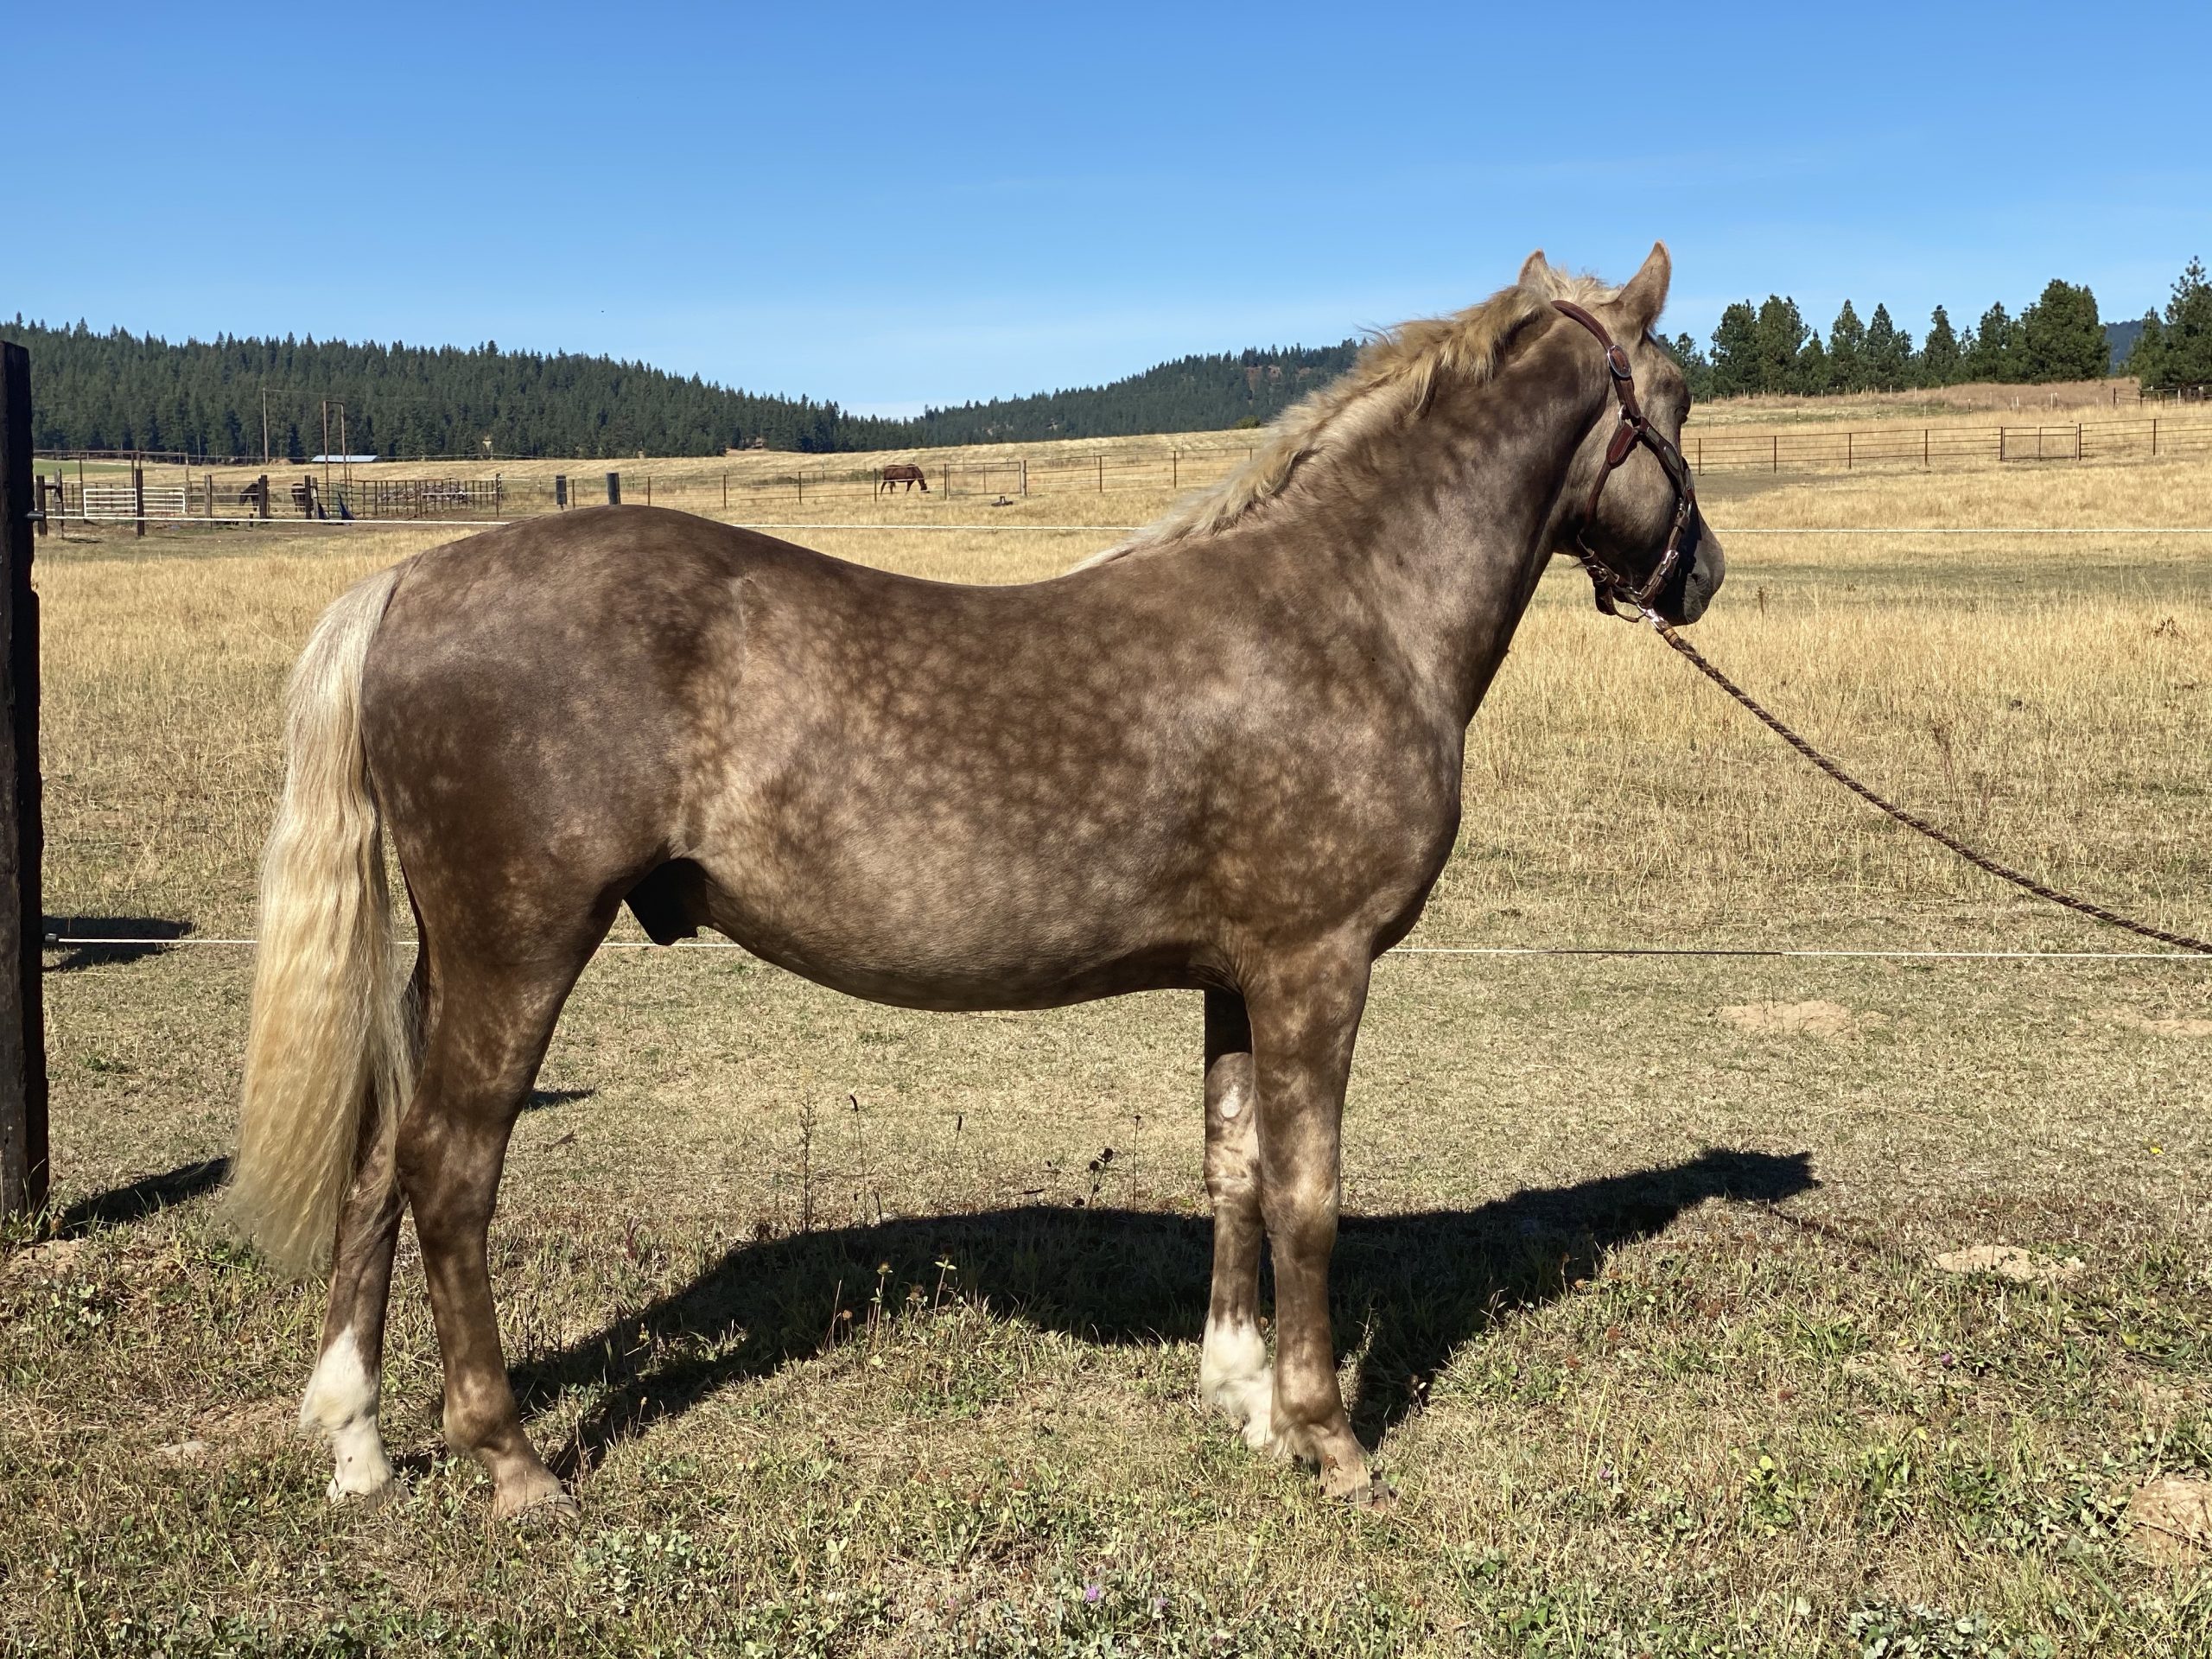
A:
[901,472]
[1224,756]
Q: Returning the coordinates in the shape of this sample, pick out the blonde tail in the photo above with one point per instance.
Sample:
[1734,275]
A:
[332,1036]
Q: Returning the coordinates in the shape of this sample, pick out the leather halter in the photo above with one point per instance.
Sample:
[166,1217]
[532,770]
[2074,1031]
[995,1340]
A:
[1634,429]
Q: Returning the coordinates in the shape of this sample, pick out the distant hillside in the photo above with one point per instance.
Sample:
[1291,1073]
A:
[1192,394]
[2122,337]
[120,391]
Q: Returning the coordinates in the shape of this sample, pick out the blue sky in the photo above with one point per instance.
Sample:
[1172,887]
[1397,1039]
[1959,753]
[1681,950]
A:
[895,206]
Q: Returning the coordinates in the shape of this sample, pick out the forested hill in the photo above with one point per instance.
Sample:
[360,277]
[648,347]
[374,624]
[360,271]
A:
[1192,394]
[120,391]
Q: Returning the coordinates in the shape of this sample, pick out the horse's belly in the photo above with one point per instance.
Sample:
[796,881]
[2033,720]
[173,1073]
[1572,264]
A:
[974,932]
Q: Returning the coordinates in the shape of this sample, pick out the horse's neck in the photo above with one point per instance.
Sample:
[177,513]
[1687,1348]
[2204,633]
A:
[1459,537]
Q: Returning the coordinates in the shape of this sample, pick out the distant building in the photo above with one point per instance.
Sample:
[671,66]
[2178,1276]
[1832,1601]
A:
[340,460]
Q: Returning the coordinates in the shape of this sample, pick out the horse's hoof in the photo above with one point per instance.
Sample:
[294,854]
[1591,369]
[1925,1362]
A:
[391,1489]
[1361,1488]
[540,1508]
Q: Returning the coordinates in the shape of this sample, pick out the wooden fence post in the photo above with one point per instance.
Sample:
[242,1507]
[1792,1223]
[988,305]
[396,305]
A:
[614,489]
[22,919]
[138,495]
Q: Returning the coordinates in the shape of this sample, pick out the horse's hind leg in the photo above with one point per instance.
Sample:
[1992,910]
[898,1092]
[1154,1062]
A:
[342,1394]
[1233,1370]
[489,1025]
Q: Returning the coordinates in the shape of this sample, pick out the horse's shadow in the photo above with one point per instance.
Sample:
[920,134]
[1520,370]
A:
[1409,1290]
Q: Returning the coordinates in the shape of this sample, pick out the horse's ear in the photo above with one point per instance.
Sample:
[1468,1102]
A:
[1645,296]
[1534,270]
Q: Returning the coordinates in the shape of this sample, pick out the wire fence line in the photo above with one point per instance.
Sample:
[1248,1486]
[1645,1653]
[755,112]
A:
[305,490]
[1449,950]
[1016,526]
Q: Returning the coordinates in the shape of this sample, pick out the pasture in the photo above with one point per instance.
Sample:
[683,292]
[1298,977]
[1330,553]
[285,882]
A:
[863,1330]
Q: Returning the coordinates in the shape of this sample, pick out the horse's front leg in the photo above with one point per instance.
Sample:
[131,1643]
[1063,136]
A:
[1233,1371]
[1305,1015]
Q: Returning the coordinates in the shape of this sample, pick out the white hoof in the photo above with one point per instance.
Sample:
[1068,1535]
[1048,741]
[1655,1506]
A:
[340,1405]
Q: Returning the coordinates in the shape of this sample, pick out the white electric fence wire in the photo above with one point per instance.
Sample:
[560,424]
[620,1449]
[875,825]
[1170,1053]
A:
[1423,950]
[1718,530]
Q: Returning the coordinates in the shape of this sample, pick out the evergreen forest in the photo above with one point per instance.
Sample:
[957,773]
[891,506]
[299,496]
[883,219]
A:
[119,390]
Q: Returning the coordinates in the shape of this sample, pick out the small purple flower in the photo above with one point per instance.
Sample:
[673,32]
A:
[1092,1592]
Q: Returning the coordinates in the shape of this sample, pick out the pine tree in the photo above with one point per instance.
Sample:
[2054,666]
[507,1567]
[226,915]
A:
[1697,368]
[2188,332]
[1940,352]
[1848,352]
[1815,369]
[2061,337]
[2146,358]
[1780,336]
[1736,352]
[1889,353]
[1991,356]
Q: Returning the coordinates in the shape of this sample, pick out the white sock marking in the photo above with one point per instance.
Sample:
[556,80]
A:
[1234,1377]
[341,1402]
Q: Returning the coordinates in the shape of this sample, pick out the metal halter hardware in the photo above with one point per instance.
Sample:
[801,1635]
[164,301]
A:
[1610,584]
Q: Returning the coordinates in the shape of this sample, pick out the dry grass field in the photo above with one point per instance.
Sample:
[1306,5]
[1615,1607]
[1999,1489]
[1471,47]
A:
[856,1339]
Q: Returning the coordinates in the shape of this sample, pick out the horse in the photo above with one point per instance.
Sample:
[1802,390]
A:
[1223,756]
[905,472]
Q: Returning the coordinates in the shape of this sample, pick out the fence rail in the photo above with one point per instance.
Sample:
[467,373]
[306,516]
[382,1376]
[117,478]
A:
[378,495]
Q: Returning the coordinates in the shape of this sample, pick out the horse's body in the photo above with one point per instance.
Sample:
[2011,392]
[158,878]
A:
[903,472]
[1226,757]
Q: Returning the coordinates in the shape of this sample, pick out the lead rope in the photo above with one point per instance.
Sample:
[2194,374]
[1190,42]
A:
[1980,861]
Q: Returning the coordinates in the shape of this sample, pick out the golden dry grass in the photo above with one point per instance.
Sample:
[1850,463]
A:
[1640,1396]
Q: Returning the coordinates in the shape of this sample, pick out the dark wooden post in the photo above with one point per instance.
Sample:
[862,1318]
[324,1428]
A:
[261,496]
[614,489]
[23,841]
[138,495]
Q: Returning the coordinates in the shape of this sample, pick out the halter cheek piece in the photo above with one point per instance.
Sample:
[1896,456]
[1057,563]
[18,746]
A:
[1610,584]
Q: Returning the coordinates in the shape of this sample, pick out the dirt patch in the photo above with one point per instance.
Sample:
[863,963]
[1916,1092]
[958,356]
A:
[54,1257]
[2010,1262]
[1814,1019]
[2163,1027]
[2170,1521]
[251,1425]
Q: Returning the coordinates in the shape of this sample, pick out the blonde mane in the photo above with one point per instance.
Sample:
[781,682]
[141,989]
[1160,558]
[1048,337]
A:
[1394,381]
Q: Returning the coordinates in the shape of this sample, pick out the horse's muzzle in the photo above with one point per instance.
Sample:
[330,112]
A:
[1697,577]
